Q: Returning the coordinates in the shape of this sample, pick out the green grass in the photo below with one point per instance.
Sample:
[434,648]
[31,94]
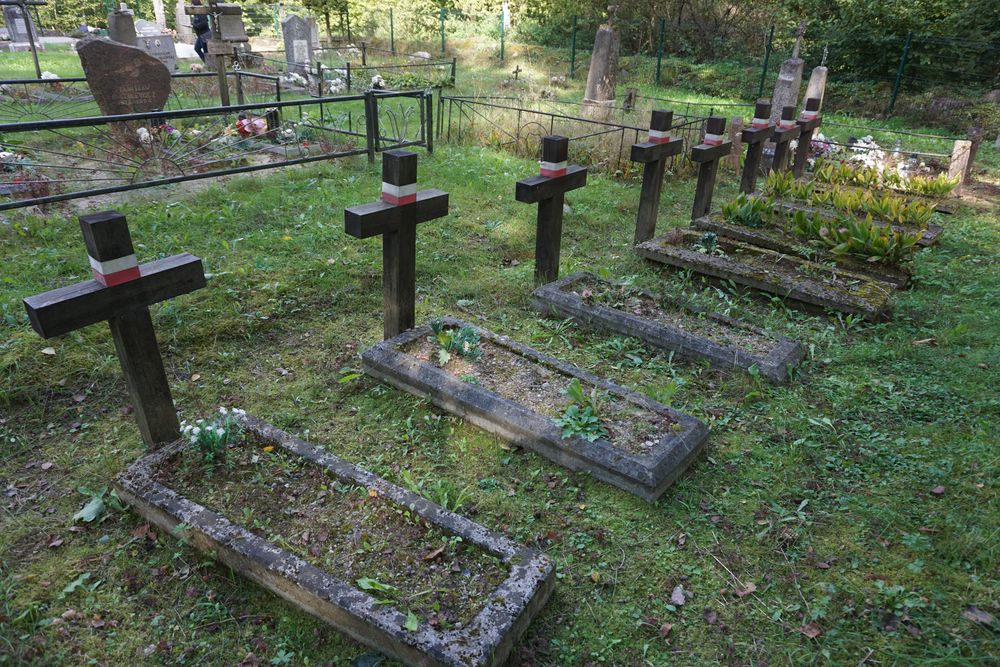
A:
[818,493]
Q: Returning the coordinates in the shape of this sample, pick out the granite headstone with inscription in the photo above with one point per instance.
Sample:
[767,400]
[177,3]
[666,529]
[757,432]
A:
[298,43]
[18,23]
[150,38]
[123,79]
[121,25]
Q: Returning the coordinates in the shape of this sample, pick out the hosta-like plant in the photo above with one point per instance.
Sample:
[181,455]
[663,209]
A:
[748,211]
[846,235]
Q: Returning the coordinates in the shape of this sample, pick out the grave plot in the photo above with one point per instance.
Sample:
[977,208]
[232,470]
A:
[855,245]
[572,417]
[670,325]
[934,190]
[810,283]
[377,562]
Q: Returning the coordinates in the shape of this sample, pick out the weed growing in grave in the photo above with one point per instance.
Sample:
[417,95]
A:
[748,211]
[851,236]
[464,342]
[708,244]
[581,416]
[211,438]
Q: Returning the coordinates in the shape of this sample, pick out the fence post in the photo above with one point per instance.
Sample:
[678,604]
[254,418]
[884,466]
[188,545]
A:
[442,30]
[501,37]
[572,50]
[348,66]
[371,124]
[659,50]
[767,57]
[392,33]
[454,68]
[364,54]
[239,89]
[899,72]
[429,127]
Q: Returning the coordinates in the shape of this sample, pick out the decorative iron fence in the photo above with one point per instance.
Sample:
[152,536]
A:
[46,161]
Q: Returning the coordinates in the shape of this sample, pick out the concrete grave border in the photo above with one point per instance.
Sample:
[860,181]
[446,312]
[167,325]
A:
[871,298]
[486,641]
[645,476]
[555,298]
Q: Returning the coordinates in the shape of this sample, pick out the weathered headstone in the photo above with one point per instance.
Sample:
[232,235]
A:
[548,190]
[602,79]
[786,90]
[786,130]
[960,154]
[121,293]
[121,25]
[21,28]
[706,155]
[653,153]
[396,217]
[314,32]
[123,79]
[298,43]
[754,137]
[809,120]
[816,88]
[153,41]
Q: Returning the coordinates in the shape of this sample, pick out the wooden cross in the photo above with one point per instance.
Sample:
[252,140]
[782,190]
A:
[121,293]
[548,190]
[713,147]
[809,120]
[653,154]
[517,70]
[754,137]
[395,217]
[787,130]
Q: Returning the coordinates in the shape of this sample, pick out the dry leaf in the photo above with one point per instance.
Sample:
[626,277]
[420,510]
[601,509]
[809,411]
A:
[677,597]
[49,351]
[195,377]
[665,629]
[938,490]
[926,341]
[711,617]
[811,631]
[434,554]
[743,592]
[977,615]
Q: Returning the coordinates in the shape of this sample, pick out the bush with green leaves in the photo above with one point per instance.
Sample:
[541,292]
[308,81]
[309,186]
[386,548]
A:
[748,211]
[462,341]
[580,418]
[211,437]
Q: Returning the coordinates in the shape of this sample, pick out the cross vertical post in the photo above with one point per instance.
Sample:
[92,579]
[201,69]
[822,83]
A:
[548,190]
[809,120]
[121,293]
[755,137]
[713,147]
[787,130]
[653,154]
[395,217]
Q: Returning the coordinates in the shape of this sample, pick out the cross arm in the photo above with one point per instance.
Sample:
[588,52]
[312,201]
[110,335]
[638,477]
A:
[708,153]
[781,136]
[809,125]
[75,306]
[755,135]
[537,188]
[379,217]
[647,151]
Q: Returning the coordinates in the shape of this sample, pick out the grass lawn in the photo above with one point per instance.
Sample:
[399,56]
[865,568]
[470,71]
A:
[849,516]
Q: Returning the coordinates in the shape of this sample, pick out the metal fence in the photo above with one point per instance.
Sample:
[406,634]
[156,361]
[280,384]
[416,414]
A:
[46,161]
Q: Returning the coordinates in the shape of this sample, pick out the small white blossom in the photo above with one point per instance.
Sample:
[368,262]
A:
[223,411]
[219,432]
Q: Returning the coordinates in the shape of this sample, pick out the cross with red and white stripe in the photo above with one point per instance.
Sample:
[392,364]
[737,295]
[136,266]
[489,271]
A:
[784,133]
[653,154]
[754,137]
[713,147]
[809,121]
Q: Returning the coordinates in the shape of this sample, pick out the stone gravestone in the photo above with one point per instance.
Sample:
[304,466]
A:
[298,43]
[786,90]
[314,32]
[18,22]
[153,41]
[602,79]
[121,25]
[123,79]
[816,88]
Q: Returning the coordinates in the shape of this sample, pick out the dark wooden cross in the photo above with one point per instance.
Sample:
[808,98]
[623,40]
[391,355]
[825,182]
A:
[395,217]
[548,190]
[754,137]
[121,293]
[808,121]
[653,154]
[713,147]
[517,70]
[787,130]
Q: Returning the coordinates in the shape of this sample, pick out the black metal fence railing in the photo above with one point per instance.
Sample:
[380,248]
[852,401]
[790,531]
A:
[47,161]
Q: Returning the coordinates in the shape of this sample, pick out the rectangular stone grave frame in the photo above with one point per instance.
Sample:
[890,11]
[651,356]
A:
[554,299]
[486,641]
[871,299]
[770,239]
[645,476]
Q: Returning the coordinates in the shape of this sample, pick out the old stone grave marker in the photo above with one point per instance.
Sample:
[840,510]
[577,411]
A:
[21,29]
[121,25]
[299,45]
[808,121]
[548,190]
[602,78]
[395,217]
[123,79]
[706,155]
[151,39]
[789,83]
[787,130]
[817,82]
[760,131]
[653,154]
[121,293]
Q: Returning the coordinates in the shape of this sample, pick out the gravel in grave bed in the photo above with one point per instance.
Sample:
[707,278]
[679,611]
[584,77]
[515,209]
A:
[540,388]
[595,292]
[349,531]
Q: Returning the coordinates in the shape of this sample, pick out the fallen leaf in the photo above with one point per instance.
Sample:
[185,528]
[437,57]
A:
[434,554]
[938,490]
[677,597]
[811,630]
[743,592]
[595,576]
[682,539]
[665,629]
[926,341]
[269,449]
[49,351]
[711,617]
[56,542]
[372,493]
[46,465]
[977,615]
[195,377]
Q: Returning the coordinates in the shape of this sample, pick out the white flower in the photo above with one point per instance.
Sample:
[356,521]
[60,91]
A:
[223,411]
[144,136]
[219,432]
[378,82]
[47,75]
[195,431]
[239,413]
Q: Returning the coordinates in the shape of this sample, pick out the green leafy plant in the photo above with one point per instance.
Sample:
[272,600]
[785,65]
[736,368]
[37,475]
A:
[212,437]
[580,418]
[779,184]
[464,342]
[748,211]
[708,244]
[845,235]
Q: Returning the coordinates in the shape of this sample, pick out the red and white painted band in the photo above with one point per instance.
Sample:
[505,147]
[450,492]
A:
[553,169]
[712,139]
[659,136]
[115,271]
[809,115]
[758,123]
[399,194]
[786,124]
